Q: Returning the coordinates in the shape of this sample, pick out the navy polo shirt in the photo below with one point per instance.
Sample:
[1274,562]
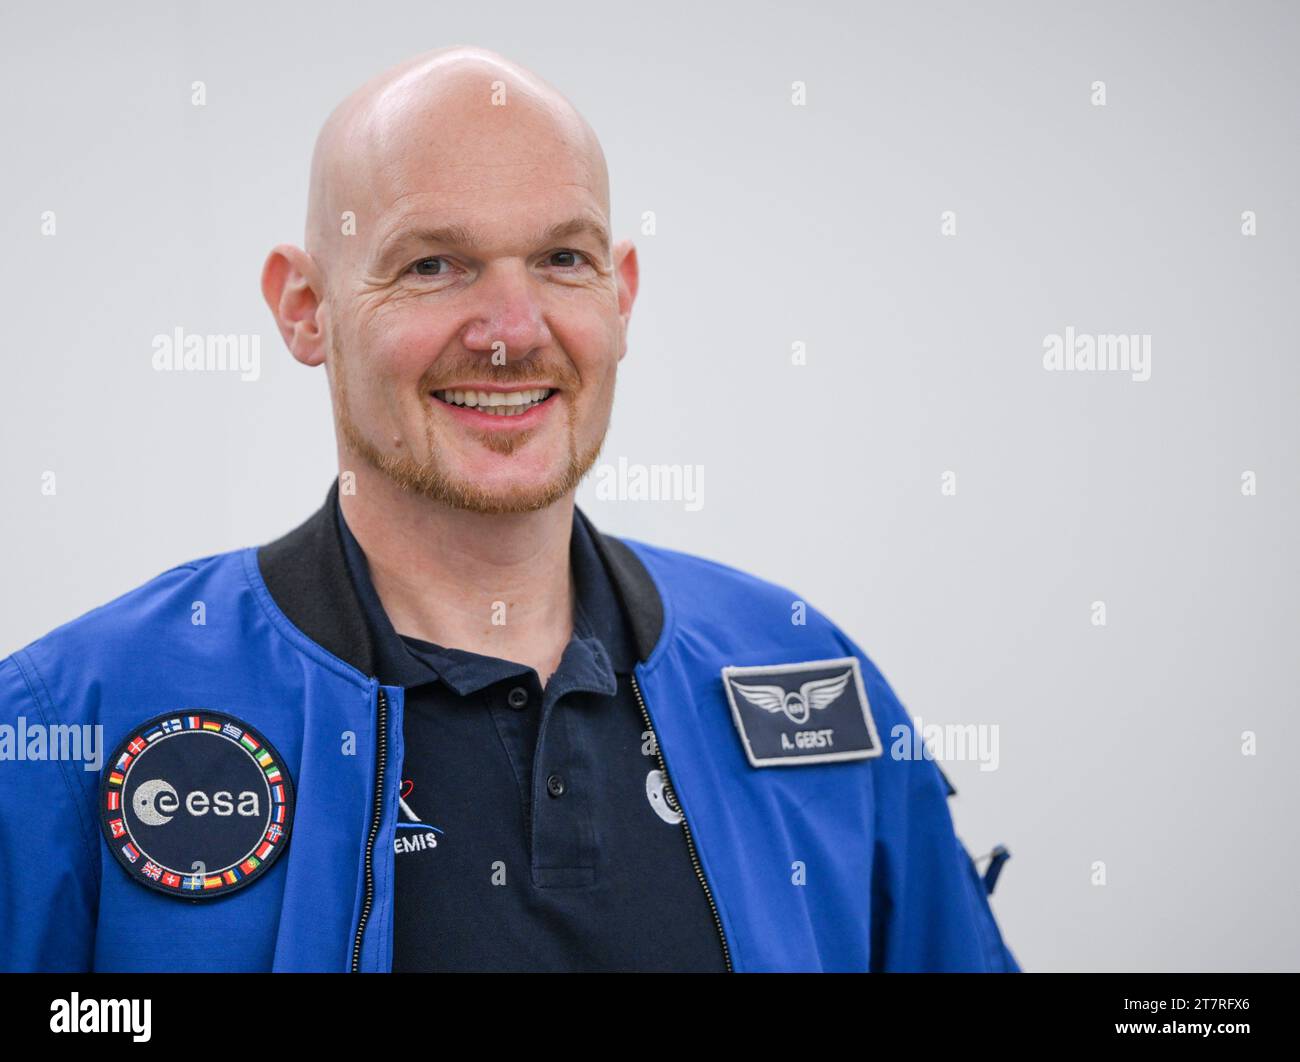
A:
[535,831]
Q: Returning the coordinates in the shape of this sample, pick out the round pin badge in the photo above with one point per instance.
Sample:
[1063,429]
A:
[196,804]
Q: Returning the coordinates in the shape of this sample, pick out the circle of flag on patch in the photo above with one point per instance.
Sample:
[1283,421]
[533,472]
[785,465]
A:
[180,881]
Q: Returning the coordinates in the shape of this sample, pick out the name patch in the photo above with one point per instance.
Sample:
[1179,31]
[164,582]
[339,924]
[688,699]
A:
[197,804]
[814,712]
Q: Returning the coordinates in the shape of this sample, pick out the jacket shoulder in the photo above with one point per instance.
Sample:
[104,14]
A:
[709,593]
[122,622]
[740,612]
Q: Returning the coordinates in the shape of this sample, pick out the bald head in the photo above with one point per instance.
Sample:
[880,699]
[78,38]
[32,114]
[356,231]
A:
[457,114]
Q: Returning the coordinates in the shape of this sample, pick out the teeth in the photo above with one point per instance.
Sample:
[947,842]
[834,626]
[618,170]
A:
[496,403]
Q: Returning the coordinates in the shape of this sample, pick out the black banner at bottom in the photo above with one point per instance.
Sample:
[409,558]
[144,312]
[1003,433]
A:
[207,1012]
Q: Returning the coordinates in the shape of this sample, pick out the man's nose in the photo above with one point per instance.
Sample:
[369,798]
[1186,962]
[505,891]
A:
[509,313]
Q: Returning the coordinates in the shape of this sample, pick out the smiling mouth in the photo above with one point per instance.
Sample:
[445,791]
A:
[496,403]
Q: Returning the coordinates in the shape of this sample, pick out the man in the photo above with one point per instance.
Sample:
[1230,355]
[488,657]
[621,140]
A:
[446,724]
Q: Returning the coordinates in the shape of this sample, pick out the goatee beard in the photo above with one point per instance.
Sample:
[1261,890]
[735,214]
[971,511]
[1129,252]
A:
[431,480]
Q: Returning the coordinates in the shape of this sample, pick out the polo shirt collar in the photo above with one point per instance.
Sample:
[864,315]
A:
[600,648]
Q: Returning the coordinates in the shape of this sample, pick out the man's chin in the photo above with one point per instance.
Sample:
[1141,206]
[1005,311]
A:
[459,489]
[475,495]
[506,485]
[472,496]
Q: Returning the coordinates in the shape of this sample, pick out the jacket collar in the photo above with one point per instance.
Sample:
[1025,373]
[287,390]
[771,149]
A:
[307,576]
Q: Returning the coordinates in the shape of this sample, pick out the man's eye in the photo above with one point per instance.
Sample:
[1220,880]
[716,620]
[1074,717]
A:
[572,258]
[429,267]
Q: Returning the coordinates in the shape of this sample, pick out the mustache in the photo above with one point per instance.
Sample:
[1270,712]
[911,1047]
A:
[542,372]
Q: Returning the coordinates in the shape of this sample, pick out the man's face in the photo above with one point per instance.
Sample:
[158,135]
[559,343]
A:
[481,270]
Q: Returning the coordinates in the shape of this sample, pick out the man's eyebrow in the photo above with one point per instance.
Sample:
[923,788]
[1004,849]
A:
[464,237]
[577,227]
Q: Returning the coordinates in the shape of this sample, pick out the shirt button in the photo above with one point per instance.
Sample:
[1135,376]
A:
[517,698]
[555,785]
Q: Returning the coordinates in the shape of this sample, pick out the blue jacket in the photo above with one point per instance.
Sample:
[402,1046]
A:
[822,866]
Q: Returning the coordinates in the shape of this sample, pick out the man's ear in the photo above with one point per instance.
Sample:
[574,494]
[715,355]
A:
[292,287]
[628,272]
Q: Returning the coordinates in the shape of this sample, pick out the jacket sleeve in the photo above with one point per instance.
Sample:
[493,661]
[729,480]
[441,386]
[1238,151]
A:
[930,908]
[48,852]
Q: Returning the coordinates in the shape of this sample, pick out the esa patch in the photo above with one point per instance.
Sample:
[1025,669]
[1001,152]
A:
[814,712]
[197,804]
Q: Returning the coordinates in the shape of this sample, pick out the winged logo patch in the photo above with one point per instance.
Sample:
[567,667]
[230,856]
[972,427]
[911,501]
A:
[813,712]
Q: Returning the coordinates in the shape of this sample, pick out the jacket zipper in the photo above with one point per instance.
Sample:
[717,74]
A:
[686,828]
[381,760]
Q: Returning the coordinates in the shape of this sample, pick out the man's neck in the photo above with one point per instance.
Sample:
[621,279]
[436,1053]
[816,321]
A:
[498,585]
